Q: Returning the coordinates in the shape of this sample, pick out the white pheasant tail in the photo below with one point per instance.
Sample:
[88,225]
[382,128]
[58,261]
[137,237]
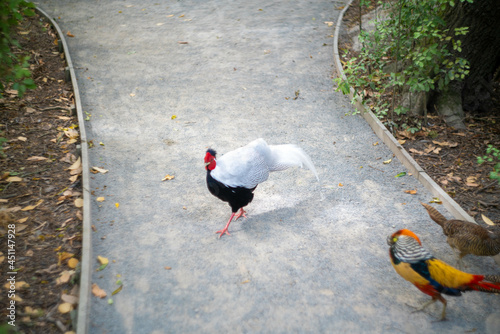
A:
[250,165]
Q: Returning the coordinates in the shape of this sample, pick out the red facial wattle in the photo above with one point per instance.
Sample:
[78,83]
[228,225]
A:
[209,161]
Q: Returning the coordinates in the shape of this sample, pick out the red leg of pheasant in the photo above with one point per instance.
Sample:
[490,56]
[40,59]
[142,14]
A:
[241,213]
[224,230]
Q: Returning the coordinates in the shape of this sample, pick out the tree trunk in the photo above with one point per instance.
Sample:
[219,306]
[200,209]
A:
[481,47]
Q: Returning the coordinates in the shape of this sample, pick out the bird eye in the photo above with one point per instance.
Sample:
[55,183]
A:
[394,239]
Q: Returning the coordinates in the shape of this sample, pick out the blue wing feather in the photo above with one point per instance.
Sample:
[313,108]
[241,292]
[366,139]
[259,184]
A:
[422,268]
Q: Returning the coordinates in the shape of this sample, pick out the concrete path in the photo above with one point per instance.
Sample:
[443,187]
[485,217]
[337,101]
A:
[165,80]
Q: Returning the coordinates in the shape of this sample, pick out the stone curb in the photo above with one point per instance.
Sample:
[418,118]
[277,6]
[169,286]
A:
[388,139]
[85,274]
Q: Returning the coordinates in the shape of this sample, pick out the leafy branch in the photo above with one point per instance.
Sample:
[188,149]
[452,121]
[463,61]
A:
[410,51]
[14,69]
[492,155]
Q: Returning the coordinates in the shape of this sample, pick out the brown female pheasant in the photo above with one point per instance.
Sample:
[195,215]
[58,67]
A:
[466,237]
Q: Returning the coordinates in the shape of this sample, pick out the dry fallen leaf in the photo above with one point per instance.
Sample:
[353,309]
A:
[71,133]
[416,151]
[99,170]
[445,143]
[36,158]
[14,179]
[76,172]
[21,227]
[401,141]
[487,220]
[65,308]
[388,161]
[72,263]
[22,220]
[407,134]
[63,256]
[18,285]
[102,260]
[453,178]
[70,34]
[432,149]
[13,209]
[30,311]
[17,298]
[117,205]
[328,23]
[64,277]
[168,177]
[97,291]
[79,202]
[77,164]
[100,199]
[31,207]
[411,192]
[471,181]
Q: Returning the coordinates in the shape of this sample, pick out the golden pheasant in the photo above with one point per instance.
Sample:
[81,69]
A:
[430,275]
[466,237]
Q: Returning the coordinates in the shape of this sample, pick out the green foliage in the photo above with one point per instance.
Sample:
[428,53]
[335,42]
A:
[410,51]
[13,68]
[492,155]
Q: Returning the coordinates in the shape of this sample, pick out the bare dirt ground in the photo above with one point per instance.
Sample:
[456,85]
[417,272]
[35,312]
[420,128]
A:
[448,155]
[40,191]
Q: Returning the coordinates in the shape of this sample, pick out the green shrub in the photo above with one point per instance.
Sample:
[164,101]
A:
[492,155]
[409,51]
[14,69]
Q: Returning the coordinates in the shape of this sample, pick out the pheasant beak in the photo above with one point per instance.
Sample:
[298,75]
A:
[207,163]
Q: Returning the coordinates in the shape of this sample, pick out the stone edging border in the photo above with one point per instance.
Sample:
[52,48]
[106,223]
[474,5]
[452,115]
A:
[85,273]
[389,140]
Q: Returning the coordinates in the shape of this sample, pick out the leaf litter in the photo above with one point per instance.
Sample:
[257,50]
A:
[41,145]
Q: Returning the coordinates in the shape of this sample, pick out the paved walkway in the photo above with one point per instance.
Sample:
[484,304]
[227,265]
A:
[165,80]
